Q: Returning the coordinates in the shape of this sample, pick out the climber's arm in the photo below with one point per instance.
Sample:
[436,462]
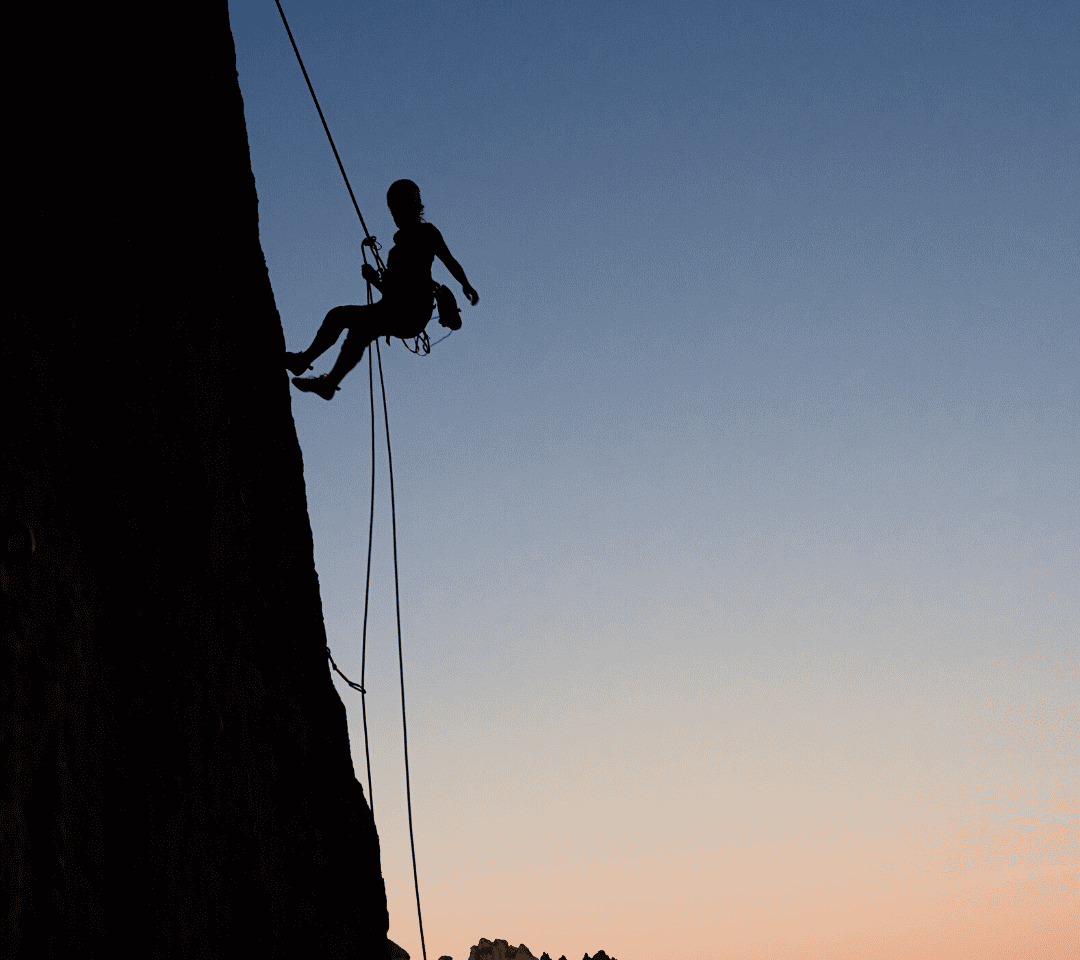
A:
[371,275]
[443,253]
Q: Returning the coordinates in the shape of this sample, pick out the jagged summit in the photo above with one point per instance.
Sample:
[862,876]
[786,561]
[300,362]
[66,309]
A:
[501,950]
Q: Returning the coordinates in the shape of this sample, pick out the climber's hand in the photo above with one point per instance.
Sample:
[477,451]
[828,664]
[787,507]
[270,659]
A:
[472,296]
[369,273]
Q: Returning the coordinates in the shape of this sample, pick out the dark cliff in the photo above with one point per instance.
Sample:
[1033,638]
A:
[178,776]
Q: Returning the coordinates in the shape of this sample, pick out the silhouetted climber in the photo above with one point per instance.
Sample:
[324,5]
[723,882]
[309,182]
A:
[407,295]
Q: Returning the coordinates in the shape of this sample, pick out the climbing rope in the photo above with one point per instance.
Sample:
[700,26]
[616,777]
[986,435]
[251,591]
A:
[369,240]
[341,166]
[401,658]
[367,585]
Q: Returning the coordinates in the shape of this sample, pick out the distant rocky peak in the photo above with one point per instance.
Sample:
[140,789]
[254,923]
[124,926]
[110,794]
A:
[501,950]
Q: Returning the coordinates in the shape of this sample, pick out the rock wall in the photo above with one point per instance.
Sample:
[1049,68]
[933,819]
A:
[179,780]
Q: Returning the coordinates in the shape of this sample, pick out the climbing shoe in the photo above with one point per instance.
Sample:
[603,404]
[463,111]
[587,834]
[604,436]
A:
[320,385]
[294,363]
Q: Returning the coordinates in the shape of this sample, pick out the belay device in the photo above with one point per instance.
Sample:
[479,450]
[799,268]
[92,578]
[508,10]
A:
[449,312]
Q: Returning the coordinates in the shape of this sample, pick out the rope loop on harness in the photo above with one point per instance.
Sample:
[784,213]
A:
[422,344]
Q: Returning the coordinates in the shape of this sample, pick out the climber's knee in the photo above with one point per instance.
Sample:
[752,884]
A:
[341,317]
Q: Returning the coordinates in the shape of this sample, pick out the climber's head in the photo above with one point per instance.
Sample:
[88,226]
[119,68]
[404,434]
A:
[403,199]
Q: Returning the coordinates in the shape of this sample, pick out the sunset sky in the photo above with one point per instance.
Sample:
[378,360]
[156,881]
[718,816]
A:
[739,526]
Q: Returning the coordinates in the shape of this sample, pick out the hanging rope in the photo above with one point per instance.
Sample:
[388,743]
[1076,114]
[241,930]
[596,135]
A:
[401,658]
[367,586]
[341,166]
[369,240]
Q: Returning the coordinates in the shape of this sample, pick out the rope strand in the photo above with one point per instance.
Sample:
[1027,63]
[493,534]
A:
[355,686]
[401,658]
[367,584]
[341,166]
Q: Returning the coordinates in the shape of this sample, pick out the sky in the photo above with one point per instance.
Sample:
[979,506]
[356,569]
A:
[738,528]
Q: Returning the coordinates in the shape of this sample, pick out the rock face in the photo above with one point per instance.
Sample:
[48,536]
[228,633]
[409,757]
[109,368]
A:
[179,774]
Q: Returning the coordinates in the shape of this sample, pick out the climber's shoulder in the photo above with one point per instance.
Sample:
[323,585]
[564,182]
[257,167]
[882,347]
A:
[435,241]
[425,231]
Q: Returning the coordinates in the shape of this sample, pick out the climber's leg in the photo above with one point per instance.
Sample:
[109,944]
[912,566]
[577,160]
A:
[352,351]
[335,321]
[364,323]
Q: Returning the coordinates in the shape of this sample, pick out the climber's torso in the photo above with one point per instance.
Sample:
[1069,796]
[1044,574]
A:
[408,264]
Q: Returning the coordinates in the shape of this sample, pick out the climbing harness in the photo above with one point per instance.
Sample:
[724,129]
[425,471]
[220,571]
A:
[424,344]
[449,315]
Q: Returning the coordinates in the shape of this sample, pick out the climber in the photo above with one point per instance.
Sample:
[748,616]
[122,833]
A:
[407,295]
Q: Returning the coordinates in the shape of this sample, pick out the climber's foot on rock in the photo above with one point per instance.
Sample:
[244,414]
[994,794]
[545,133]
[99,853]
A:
[296,364]
[320,385]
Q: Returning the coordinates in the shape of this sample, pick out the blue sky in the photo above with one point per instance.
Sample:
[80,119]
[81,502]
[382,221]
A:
[742,512]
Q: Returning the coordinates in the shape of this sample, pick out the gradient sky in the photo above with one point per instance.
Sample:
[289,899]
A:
[739,526]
